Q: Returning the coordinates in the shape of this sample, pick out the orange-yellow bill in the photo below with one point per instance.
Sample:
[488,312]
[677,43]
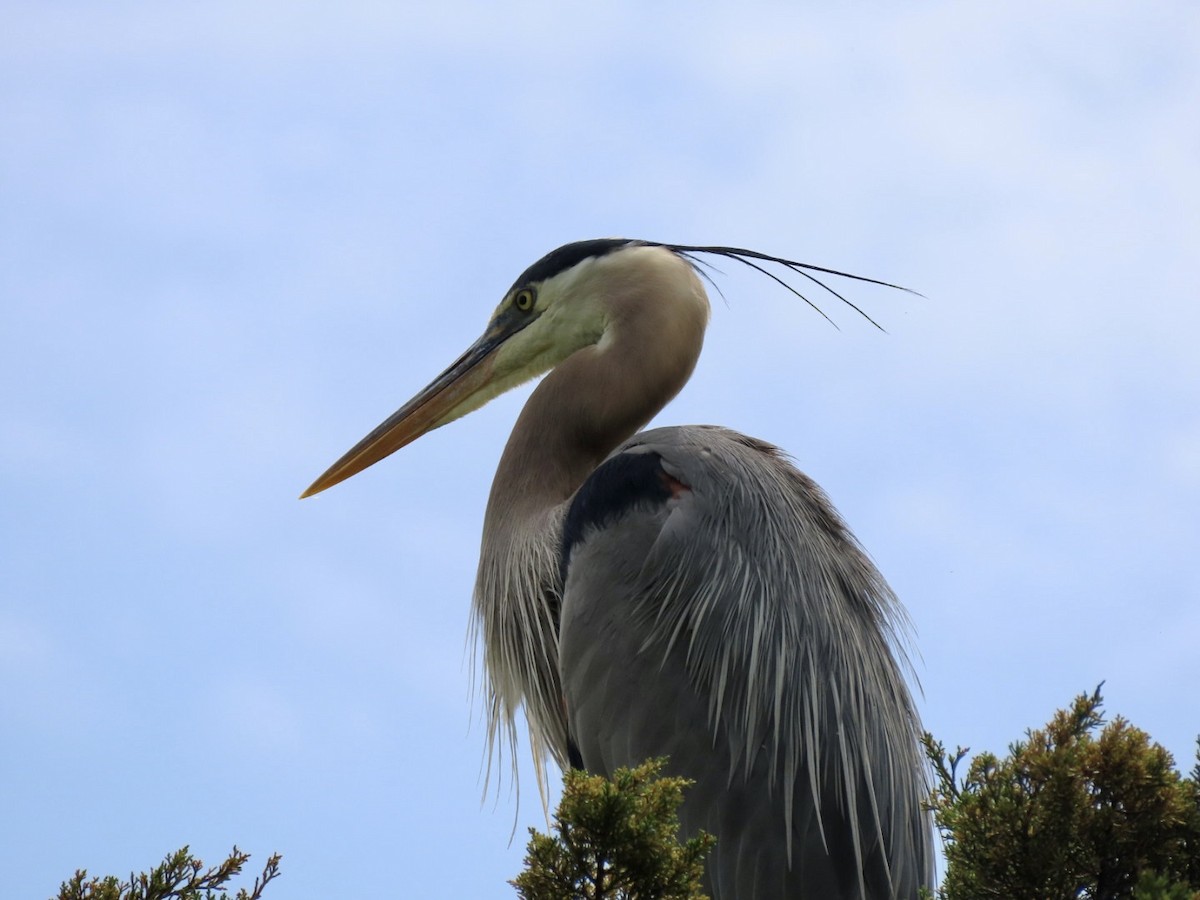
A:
[435,405]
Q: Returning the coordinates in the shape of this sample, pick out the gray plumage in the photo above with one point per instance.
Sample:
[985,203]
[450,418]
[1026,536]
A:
[685,592]
[740,628]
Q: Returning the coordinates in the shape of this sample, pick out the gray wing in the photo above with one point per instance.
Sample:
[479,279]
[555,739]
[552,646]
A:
[716,610]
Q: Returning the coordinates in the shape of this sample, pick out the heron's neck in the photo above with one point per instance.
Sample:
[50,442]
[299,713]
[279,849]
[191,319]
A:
[587,405]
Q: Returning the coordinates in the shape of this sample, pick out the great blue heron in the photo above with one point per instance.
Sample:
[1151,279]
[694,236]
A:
[682,592]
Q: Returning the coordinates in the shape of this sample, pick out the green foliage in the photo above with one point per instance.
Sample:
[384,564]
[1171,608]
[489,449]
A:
[1152,886]
[1069,815]
[615,840]
[180,877]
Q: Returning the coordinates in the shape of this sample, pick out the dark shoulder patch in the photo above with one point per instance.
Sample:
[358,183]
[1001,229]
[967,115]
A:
[617,485]
[566,256]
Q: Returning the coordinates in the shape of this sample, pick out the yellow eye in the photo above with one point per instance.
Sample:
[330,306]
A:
[524,299]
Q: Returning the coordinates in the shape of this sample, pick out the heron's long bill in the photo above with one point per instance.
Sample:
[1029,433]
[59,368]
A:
[441,401]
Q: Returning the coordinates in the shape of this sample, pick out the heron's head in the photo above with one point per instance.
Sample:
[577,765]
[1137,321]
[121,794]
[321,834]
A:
[572,298]
[562,303]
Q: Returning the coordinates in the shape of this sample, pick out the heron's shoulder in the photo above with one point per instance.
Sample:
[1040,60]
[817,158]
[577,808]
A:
[745,481]
[647,469]
[717,480]
[711,458]
[660,465]
[709,445]
[623,483]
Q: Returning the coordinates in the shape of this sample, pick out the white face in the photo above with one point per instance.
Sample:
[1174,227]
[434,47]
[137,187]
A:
[569,311]
[574,308]
[566,315]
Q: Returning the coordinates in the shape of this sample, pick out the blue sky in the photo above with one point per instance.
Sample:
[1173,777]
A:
[235,237]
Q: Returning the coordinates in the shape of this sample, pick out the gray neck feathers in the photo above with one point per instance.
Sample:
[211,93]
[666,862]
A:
[582,410]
